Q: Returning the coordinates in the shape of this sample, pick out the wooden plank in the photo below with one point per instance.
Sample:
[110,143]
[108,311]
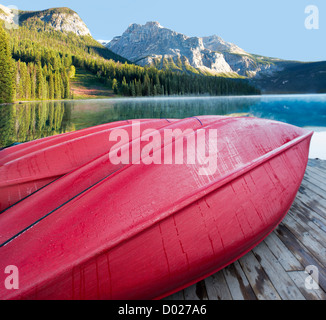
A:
[302,218]
[284,285]
[217,288]
[301,252]
[319,168]
[284,256]
[311,163]
[299,278]
[190,293]
[177,296]
[315,222]
[315,181]
[313,201]
[307,189]
[310,184]
[201,290]
[313,216]
[196,292]
[238,284]
[260,283]
[321,164]
[312,244]
[314,174]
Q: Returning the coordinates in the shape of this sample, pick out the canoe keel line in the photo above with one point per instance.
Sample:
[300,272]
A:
[109,224]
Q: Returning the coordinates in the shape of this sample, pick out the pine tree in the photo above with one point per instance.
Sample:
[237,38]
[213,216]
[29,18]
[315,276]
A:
[51,87]
[33,82]
[132,89]
[125,87]
[72,72]
[115,86]
[39,81]
[57,85]
[66,86]
[7,69]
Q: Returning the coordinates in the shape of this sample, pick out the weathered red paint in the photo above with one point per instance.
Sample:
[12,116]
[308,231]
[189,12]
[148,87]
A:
[146,231]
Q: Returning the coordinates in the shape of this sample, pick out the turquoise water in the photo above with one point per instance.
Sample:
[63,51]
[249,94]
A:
[30,121]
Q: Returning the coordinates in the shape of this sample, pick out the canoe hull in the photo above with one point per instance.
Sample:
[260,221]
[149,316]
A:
[187,245]
[29,167]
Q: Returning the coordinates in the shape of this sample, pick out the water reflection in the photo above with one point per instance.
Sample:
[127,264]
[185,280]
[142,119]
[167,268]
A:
[30,121]
[104,111]
[26,122]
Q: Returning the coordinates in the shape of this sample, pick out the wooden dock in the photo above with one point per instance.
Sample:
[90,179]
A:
[275,270]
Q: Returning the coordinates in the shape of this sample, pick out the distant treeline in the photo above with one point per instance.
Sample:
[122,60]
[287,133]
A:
[45,61]
[131,80]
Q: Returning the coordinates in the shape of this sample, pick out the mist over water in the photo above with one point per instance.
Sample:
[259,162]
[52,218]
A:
[30,121]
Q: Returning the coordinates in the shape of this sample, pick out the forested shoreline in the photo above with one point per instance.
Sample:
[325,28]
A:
[38,63]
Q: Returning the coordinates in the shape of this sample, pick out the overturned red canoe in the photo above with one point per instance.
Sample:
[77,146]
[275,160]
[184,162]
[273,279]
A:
[143,231]
[29,167]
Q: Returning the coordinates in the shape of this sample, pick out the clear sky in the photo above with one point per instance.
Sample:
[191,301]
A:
[271,28]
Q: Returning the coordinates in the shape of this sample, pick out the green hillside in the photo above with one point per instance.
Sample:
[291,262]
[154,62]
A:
[86,85]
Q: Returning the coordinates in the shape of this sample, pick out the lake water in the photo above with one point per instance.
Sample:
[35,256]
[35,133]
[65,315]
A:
[30,121]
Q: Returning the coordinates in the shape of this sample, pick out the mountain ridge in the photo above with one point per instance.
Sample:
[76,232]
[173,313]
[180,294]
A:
[62,30]
[153,44]
[61,19]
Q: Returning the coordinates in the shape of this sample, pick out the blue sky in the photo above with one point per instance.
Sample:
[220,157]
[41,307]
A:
[271,28]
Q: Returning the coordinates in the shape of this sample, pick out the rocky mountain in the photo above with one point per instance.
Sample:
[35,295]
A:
[216,43]
[9,16]
[296,77]
[59,19]
[104,42]
[152,44]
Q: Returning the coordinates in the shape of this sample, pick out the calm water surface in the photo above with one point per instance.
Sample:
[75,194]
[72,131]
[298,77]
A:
[30,121]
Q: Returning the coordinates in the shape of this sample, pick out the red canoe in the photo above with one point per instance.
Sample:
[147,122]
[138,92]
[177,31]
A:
[145,231]
[29,167]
